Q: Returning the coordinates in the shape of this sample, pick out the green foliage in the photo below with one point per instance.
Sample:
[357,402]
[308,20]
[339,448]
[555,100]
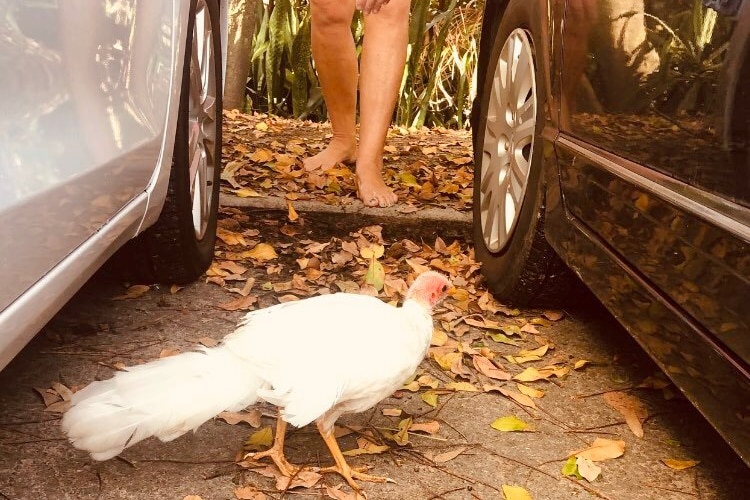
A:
[438,84]
[691,45]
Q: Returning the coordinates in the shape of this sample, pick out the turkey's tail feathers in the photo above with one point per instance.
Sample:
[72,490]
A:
[164,398]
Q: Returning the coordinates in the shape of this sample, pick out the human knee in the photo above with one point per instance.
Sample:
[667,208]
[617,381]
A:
[395,11]
[331,13]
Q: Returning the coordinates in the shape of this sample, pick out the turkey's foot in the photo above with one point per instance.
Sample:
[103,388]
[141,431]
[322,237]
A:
[351,473]
[287,469]
[276,452]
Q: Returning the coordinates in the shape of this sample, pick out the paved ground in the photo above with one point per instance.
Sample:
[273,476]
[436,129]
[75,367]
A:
[94,333]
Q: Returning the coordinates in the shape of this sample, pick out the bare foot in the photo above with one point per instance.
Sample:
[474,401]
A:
[339,150]
[371,188]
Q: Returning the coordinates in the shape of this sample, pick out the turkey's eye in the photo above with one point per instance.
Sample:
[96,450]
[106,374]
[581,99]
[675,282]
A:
[444,288]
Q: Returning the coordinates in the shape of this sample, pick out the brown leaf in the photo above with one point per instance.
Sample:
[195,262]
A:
[48,395]
[165,353]
[59,407]
[251,417]
[193,497]
[392,412]
[488,368]
[245,290]
[133,292]
[240,304]
[337,494]
[249,493]
[303,479]
[261,252]
[208,341]
[553,315]
[431,427]
[448,455]
[632,408]
[461,386]
[65,393]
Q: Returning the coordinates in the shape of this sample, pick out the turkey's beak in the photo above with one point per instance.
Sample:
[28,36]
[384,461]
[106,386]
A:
[452,291]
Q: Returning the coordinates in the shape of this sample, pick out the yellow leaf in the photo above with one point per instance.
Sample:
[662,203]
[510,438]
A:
[291,212]
[509,424]
[259,440]
[263,126]
[679,464]
[261,252]
[447,360]
[248,493]
[517,397]
[412,386]
[366,447]
[402,436]
[515,493]
[461,386]
[602,449]
[439,338]
[530,391]
[539,351]
[375,275]
[246,193]
[372,252]
[580,364]
[431,398]
[262,155]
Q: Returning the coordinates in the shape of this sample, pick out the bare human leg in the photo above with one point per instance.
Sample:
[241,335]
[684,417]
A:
[382,66]
[336,62]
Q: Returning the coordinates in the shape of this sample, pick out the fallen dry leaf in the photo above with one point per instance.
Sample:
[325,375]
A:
[249,493]
[133,292]
[291,212]
[303,479]
[515,493]
[165,353]
[489,369]
[602,449]
[366,447]
[679,464]
[431,427]
[251,417]
[588,469]
[447,456]
[632,408]
[461,386]
[530,391]
[518,397]
[241,304]
[392,412]
[509,424]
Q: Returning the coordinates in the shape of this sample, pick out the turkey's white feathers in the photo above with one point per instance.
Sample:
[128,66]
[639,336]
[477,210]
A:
[316,359]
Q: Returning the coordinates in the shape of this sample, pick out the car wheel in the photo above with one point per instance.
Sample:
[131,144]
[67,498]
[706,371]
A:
[518,264]
[179,247]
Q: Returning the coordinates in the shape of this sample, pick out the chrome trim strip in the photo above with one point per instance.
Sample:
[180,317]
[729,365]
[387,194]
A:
[708,206]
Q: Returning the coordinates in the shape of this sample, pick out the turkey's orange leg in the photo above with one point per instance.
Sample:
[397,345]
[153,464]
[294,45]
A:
[276,452]
[342,467]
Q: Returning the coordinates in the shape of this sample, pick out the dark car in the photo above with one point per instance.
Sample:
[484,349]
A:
[611,139]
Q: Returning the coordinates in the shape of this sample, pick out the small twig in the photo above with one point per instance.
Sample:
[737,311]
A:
[440,495]
[551,476]
[27,422]
[100,481]
[181,461]
[33,441]
[672,490]
[123,459]
[592,394]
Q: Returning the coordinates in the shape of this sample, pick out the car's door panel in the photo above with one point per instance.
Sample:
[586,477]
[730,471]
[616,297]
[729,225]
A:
[655,103]
[84,92]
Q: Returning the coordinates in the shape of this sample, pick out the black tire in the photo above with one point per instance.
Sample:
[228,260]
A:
[170,251]
[526,271]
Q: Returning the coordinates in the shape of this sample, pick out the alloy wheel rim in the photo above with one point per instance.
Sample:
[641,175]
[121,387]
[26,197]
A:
[508,140]
[202,120]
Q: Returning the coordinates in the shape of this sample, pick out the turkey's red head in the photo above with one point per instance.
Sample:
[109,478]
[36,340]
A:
[429,289]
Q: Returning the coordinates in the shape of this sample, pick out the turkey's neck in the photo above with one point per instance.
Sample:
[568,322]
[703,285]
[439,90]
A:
[420,318]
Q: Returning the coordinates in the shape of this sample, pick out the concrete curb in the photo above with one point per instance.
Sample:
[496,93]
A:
[355,207]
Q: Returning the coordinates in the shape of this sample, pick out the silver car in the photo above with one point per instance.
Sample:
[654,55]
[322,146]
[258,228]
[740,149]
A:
[110,129]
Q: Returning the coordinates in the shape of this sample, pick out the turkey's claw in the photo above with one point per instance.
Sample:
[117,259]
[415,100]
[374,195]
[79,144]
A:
[351,473]
[287,469]
[276,452]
